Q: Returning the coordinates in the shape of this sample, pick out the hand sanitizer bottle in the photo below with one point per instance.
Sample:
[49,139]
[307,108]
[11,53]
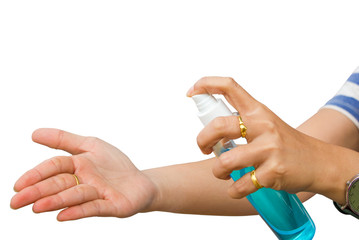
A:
[283,212]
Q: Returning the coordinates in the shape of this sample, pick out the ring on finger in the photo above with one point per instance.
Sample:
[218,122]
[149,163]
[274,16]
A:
[76,179]
[242,127]
[255,180]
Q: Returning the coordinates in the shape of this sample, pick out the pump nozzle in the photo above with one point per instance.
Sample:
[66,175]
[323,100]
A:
[203,101]
[209,107]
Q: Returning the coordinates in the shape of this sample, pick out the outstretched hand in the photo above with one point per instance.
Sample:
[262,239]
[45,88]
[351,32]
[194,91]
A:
[109,183]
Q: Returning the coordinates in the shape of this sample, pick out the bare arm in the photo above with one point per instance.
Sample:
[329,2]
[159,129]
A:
[110,185]
[192,188]
[332,127]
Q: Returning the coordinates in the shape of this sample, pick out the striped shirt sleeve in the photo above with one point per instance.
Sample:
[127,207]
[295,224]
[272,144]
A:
[346,100]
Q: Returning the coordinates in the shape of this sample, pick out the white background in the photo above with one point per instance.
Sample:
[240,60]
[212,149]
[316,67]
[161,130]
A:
[119,70]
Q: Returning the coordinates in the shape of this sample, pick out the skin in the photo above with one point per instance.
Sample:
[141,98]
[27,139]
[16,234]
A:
[318,157]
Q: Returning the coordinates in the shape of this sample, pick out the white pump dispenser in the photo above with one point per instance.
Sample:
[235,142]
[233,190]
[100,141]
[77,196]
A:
[209,107]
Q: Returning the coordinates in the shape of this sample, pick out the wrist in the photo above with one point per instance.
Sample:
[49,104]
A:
[156,199]
[339,165]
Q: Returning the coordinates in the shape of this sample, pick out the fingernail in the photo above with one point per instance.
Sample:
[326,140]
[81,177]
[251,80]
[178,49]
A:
[190,91]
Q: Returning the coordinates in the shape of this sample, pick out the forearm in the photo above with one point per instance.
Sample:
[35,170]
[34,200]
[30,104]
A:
[332,127]
[191,188]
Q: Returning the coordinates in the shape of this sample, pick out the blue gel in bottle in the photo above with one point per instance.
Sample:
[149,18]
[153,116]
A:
[283,212]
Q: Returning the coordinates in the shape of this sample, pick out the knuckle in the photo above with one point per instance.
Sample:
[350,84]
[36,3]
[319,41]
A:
[60,181]
[276,185]
[223,166]
[229,82]
[238,190]
[200,83]
[81,191]
[57,163]
[276,143]
[270,149]
[269,126]
[60,137]
[89,143]
[225,161]
[215,172]
[58,200]
[36,189]
[219,123]
[200,142]
[259,110]
[277,171]
[98,207]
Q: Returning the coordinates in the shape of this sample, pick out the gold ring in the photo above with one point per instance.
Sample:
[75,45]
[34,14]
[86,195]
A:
[242,127]
[254,180]
[76,179]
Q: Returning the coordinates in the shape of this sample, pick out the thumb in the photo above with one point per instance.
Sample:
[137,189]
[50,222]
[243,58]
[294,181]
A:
[59,139]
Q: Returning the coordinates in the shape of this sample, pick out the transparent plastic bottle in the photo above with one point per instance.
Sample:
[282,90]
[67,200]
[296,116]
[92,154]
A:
[283,212]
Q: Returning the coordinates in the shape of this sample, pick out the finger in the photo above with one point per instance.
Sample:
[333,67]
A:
[216,130]
[232,91]
[242,156]
[244,186]
[42,189]
[97,207]
[59,139]
[70,197]
[46,169]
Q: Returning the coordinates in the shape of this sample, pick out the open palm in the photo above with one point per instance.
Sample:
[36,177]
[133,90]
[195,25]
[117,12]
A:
[109,183]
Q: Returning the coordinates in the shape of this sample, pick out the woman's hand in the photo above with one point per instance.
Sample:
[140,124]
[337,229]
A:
[110,185]
[284,158]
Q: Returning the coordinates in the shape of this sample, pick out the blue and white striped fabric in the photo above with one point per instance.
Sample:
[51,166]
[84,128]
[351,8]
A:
[346,100]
